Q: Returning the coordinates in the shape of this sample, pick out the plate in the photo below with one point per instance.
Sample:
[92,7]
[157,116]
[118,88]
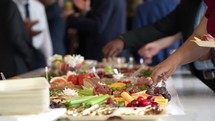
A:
[210,44]
[173,108]
[50,115]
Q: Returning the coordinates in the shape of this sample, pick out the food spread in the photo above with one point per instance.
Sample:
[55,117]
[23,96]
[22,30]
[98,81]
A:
[87,90]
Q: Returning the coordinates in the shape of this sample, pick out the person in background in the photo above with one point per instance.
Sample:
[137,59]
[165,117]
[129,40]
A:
[33,10]
[189,51]
[17,53]
[56,23]
[149,12]
[97,24]
[180,22]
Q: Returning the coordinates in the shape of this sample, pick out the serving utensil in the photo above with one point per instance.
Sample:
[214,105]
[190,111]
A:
[2,76]
[46,71]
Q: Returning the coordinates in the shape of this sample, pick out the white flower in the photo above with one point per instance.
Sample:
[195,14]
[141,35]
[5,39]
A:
[118,76]
[53,58]
[70,92]
[73,60]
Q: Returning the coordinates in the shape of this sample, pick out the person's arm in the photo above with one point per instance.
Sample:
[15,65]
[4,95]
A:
[152,48]
[162,28]
[139,37]
[187,53]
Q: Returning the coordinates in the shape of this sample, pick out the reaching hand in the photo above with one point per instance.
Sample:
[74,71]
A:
[148,51]
[29,24]
[164,69]
[113,48]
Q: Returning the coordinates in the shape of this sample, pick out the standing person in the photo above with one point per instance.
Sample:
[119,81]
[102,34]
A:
[182,19]
[104,21]
[56,25]
[17,53]
[189,51]
[149,12]
[33,10]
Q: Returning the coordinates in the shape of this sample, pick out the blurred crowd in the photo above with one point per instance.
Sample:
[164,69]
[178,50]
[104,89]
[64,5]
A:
[33,30]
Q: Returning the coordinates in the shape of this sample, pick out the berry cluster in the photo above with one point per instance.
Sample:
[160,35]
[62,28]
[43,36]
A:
[141,102]
[159,91]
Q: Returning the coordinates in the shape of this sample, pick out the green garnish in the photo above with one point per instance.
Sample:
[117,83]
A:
[108,70]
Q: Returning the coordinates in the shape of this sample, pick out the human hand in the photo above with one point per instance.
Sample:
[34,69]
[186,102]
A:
[113,48]
[165,69]
[82,5]
[29,24]
[148,51]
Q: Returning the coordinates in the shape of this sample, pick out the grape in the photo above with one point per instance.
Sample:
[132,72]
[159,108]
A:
[167,96]
[145,103]
[150,91]
[140,99]
[110,100]
[156,90]
[155,105]
[129,105]
[162,90]
[135,103]
[151,98]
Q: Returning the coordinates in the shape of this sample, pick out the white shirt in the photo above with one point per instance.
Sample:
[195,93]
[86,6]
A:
[41,41]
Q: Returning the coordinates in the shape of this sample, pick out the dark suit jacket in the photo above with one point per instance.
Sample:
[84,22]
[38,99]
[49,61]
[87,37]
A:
[180,20]
[56,28]
[17,53]
[105,22]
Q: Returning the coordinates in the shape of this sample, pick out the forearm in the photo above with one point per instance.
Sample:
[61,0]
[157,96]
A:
[139,37]
[167,41]
[188,52]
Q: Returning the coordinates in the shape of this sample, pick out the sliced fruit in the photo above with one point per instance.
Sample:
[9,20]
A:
[162,102]
[73,78]
[57,80]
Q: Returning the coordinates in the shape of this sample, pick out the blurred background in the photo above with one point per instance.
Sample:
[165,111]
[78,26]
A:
[37,29]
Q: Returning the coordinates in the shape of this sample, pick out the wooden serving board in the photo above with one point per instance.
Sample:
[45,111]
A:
[210,44]
[173,108]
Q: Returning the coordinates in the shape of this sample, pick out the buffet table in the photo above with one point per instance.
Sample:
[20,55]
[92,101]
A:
[197,99]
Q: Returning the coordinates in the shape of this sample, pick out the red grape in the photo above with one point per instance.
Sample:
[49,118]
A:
[155,105]
[129,105]
[135,103]
[145,103]
[151,98]
[110,100]
[140,99]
